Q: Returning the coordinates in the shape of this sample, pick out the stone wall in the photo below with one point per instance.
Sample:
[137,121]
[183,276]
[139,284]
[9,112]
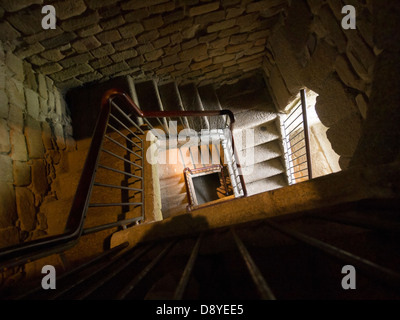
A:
[34,128]
[311,49]
[183,40]
[380,142]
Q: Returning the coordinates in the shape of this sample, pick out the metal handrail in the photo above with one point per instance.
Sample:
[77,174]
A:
[301,127]
[28,251]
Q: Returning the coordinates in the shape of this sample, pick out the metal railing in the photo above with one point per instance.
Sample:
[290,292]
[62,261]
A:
[297,143]
[116,118]
[242,239]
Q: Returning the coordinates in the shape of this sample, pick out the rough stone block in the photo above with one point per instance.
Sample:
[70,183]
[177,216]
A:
[32,103]
[125,44]
[50,68]
[3,104]
[27,21]
[22,173]
[7,32]
[33,135]
[109,36]
[80,22]
[5,146]
[198,50]
[148,36]
[86,44]
[68,9]
[72,72]
[212,17]
[5,169]
[153,23]
[137,4]
[59,40]
[90,31]
[16,118]
[153,55]
[25,208]
[15,65]
[137,15]
[18,146]
[124,55]
[8,210]
[118,67]
[29,50]
[13,6]
[203,9]
[9,236]
[40,184]
[103,51]
[347,74]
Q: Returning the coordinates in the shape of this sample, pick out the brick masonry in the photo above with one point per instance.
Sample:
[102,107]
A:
[176,34]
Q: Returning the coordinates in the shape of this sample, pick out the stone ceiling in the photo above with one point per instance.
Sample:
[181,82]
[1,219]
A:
[95,40]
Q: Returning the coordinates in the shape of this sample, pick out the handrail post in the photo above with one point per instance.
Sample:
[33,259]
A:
[306,131]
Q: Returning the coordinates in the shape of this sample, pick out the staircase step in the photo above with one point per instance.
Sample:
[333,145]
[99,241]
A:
[265,185]
[148,98]
[262,170]
[263,133]
[260,153]
[192,102]
[254,117]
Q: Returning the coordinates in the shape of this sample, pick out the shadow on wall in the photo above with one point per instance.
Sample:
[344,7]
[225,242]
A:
[85,102]
[179,225]
[312,50]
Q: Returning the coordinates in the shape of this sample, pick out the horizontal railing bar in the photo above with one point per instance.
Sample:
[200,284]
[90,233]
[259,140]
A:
[300,141]
[295,129]
[180,289]
[388,276]
[292,112]
[119,171]
[116,187]
[287,127]
[121,158]
[127,117]
[122,135]
[118,268]
[302,177]
[300,164]
[292,153]
[131,284]
[120,204]
[122,124]
[294,136]
[299,157]
[110,225]
[258,279]
[306,169]
[122,146]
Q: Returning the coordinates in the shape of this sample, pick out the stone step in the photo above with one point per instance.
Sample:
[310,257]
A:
[256,136]
[253,117]
[271,183]
[192,102]
[262,170]
[260,153]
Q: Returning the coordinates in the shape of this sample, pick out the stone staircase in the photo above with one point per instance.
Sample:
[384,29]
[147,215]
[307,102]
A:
[256,132]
